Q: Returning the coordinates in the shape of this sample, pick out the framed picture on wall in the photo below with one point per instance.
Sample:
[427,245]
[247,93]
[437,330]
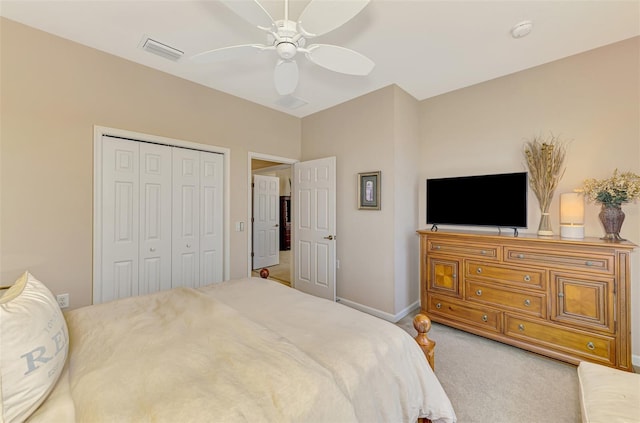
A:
[369,190]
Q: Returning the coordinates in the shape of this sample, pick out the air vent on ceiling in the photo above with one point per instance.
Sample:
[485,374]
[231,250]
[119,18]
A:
[162,50]
[290,102]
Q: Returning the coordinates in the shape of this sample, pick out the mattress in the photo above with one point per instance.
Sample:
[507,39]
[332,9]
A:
[242,350]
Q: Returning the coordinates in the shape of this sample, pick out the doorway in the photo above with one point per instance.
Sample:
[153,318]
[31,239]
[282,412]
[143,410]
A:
[281,168]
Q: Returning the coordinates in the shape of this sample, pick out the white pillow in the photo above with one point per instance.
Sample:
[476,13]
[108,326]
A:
[33,347]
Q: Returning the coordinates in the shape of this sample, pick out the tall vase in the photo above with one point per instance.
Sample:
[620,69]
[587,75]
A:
[544,228]
[612,216]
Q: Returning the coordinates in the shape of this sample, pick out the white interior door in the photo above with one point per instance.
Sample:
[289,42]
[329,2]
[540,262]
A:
[185,217]
[155,218]
[120,219]
[266,219]
[211,218]
[159,215]
[314,221]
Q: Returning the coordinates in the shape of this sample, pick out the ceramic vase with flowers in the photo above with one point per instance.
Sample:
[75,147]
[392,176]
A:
[545,156]
[611,193]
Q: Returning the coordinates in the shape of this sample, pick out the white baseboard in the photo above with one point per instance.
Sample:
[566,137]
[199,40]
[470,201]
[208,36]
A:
[393,318]
[635,360]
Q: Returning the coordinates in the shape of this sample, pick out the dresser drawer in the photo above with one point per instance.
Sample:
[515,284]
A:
[522,277]
[477,316]
[590,346]
[534,304]
[488,251]
[560,259]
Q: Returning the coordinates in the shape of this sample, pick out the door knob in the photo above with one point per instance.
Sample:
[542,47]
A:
[330,237]
[277,225]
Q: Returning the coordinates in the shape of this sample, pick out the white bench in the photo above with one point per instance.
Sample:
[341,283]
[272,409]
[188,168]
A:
[608,395]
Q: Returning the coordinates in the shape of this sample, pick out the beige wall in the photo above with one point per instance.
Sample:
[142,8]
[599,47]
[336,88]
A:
[591,98]
[377,249]
[53,92]
[407,183]
[360,134]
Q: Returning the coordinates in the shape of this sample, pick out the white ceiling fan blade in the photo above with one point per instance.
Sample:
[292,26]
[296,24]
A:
[252,12]
[340,59]
[322,16]
[285,77]
[227,53]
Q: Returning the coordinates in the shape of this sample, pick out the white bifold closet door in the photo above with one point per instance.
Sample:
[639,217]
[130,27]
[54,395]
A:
[162,217]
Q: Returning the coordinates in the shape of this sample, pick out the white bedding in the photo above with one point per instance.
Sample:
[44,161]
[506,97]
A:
[244,350]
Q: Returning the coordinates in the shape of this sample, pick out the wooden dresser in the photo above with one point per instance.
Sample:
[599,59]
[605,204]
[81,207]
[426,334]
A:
[566,299]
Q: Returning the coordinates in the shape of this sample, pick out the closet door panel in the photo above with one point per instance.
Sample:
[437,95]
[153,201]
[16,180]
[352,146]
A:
[211,218]
[120,218]
[155,218]
[185,218]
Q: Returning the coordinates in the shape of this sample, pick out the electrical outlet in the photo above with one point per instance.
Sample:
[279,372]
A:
[63,300]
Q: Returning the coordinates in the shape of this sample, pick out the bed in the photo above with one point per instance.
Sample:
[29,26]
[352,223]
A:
[242,350]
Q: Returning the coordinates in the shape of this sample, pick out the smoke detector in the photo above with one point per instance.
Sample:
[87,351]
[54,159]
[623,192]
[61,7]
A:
[521,29]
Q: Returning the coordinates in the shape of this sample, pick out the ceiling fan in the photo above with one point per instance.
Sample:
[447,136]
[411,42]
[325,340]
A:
[288,38]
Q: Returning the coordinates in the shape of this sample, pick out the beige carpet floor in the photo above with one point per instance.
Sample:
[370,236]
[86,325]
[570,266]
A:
[280,272]
[488,381]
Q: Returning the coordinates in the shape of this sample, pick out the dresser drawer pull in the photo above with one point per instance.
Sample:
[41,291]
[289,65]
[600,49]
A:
[479,270]
[588,263]
[483,252]
[560,294]
[591,346]
[520,256]
[479,292]
[527,278]
[454,276]
[485,318]
[521,327]
[438,305]
[527,302]
[437,247]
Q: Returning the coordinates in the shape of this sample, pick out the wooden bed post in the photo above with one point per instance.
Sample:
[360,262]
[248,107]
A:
[423,325]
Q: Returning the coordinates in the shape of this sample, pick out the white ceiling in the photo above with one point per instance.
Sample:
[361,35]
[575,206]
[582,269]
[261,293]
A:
[425,47]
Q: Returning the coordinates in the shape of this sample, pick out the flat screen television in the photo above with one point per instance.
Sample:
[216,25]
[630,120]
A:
[486,200]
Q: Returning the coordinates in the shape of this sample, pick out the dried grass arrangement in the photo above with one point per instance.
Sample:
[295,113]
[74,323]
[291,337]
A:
[545,157]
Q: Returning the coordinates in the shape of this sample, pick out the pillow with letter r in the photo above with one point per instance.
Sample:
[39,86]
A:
[34,343]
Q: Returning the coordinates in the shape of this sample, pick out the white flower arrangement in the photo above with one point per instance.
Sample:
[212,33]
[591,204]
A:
[612,192]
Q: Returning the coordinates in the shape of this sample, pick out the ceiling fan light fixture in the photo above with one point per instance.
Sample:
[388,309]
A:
[288,39]
[286,50]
